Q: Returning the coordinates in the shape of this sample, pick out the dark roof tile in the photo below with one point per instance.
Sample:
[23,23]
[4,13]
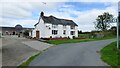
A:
[53,20]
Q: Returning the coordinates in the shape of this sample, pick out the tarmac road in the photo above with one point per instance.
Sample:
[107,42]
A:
[73,54]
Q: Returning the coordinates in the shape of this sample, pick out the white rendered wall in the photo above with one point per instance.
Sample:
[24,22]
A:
[45,30]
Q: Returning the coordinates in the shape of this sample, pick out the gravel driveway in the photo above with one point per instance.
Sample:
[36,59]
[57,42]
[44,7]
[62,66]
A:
[73,54]
[14,52]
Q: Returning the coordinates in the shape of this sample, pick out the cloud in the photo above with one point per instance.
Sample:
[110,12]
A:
[24,12]
[12,22]
[59,0]
[86,18]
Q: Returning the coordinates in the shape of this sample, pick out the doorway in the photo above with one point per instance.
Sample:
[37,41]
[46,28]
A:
[37,34]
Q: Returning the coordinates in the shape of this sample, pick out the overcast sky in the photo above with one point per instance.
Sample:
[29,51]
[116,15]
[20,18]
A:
[27,13]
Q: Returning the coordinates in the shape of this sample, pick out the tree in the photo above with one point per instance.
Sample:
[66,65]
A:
[79,31]
[113,30]
[26,33]
[103,21]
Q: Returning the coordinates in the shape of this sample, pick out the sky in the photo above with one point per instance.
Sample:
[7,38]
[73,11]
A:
[83,12]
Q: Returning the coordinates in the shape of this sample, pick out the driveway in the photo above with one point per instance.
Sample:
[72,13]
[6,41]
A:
[14,51]
[73,54]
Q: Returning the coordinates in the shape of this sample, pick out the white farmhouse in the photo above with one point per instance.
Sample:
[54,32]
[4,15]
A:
[50,26]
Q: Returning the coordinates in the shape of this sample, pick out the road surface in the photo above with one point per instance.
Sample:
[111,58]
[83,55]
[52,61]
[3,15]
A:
[73,54]
[16,50]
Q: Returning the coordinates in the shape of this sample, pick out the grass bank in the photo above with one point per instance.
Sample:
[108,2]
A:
[26,63]
[56,42]
[111,55]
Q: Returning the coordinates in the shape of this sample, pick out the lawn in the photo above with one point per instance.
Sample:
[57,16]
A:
[111,55]
[56,42]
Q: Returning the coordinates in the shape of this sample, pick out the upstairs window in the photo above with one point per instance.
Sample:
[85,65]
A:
[54,26]
[54,32]
[72,27]
[64,26]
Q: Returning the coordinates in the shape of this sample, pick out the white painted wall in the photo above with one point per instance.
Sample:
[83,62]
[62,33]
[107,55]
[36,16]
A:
[46,30]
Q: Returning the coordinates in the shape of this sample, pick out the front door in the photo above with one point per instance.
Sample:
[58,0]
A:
[37,35]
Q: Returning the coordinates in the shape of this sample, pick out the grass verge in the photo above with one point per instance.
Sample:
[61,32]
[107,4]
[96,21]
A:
[111,55]
[56,42]
[26,63]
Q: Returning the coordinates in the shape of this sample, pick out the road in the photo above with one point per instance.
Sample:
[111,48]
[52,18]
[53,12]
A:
[16,50]
[73,54]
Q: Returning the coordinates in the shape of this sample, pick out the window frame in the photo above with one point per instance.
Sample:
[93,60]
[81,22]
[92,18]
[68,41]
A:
[64,32]
[72,27]
[54,32]
[54,26]
[72,32]
[64,26]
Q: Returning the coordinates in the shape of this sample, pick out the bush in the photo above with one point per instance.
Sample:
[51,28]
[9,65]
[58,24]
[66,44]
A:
[26,33]
[65,37]
[68,37]
[60,36]
[73,37]
[92,35]
[50,36]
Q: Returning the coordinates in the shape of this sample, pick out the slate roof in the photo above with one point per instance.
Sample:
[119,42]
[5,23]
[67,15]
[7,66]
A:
[56,21]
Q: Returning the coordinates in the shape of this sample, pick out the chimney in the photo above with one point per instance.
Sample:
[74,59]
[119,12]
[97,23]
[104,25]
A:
[42,14]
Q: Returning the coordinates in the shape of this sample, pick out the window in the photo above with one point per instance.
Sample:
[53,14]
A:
[72,32]
[54,32]
[72,27]
[64,26]
[54,26]
[64,32]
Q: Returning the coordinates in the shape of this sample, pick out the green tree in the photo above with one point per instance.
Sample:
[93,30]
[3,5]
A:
[103,21]
[26,33]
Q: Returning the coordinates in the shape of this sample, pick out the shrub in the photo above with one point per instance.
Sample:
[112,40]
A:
[65,37]
[26,33]
[50,36]
[68,37]
[60,36]
[73,37]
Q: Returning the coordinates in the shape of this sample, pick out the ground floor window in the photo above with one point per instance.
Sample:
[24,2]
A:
[64,32]
[54,32]
[72,32]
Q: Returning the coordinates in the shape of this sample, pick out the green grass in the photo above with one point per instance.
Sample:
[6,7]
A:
[26,63]
[56,42]
[111,55]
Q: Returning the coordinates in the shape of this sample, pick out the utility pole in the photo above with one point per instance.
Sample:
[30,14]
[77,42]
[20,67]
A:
[118,31]
[118,25]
